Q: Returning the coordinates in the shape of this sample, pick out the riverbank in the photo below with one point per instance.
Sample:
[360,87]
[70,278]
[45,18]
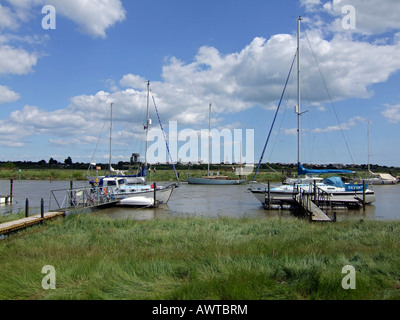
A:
[60,174]
[195,258]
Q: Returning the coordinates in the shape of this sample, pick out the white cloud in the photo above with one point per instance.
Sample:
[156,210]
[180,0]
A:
[16,61]
[392,113]
[372,16]
[7,18]
[133,81]
[232,83]
[92,17]
[343,126]
[7,95]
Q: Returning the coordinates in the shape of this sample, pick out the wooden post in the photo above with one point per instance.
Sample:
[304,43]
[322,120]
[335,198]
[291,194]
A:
[11,190]
[71,193]
[26,208]
[315,193]
[155,192]
[41,211]
[363,194]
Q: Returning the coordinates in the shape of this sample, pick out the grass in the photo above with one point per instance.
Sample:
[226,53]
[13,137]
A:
[198,258]
[159,175]
[43,174]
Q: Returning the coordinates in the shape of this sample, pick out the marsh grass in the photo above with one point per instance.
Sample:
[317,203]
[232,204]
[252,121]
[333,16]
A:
[199,258]
[263,175]
[159,175]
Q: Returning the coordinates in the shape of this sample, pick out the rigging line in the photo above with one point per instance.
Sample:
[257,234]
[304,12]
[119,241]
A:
[273,122]
[98,140]
[283,118]
[165,138]
[330,98]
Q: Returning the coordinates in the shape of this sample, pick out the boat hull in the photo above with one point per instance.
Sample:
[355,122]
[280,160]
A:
[335,195]
[162,195]
[215,181]
[138,201]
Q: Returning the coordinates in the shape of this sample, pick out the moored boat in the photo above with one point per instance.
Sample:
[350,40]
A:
[333,187]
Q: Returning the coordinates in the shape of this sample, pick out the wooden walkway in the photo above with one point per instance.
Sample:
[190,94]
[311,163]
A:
[16,225]
[316,214]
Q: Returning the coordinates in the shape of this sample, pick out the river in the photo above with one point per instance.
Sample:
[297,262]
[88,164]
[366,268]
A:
[192,200]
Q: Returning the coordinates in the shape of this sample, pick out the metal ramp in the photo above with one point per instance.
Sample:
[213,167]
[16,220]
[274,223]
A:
[81,198]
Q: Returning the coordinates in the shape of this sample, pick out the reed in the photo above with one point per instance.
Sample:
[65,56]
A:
[160,175]
[199,258]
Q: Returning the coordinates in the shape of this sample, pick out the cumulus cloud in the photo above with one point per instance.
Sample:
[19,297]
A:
[7,95]
[16,61]
[232,83]
[392,113]
[372,16]
[92,17]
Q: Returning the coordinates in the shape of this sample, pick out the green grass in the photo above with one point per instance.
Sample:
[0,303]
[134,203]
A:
[199,258]
[160,175]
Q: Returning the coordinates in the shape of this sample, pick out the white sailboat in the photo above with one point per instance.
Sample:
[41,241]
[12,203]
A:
[333,186]
[135,194]
[134,179]
[212,179]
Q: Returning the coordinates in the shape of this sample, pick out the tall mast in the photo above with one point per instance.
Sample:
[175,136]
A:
[298,109]
[147,124]
[111,126]
[209,140]
[369,166]
[298,92]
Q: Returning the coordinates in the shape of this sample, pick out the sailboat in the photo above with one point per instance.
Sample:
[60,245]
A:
[139,178]
[379,178]
[334,186]
[211,179]
[137,194]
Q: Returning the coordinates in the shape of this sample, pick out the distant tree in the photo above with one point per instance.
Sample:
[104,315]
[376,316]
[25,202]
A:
[68,161]
[52,162]
[8,166]
[42,163]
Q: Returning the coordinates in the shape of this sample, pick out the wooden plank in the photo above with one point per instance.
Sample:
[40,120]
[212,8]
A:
[316,213]
[23,223]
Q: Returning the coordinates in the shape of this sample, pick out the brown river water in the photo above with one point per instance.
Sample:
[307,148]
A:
[192,200]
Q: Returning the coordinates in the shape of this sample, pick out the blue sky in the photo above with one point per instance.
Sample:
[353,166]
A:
[56,85]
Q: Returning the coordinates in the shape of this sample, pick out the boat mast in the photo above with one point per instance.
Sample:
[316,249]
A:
[111,121]
[369,165]
[298,110]
[147,125]
[209,140]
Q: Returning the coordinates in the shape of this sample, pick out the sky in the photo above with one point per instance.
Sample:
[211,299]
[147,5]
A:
[61,70]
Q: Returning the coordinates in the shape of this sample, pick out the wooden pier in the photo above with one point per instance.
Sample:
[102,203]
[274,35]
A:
[314,202]
[16,225]
[305,201]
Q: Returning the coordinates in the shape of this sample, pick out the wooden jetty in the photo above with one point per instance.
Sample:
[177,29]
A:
[314,212]
[315,205]
[16,225]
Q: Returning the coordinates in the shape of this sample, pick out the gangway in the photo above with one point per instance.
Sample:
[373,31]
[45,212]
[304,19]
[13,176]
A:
[86,197]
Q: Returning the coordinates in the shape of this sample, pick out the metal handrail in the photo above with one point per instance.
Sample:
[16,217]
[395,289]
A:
[83,197]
